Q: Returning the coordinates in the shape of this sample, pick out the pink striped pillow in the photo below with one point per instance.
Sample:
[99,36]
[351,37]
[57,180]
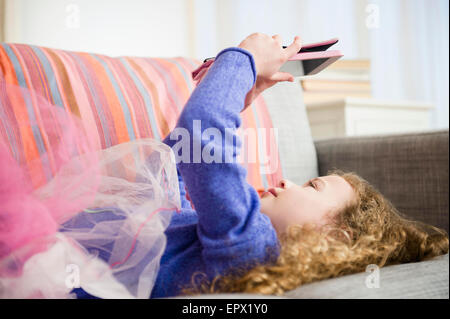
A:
[125,98]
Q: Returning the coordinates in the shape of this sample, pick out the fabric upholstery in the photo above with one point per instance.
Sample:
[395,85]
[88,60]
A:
[411,170]
[427,279]
[125,98]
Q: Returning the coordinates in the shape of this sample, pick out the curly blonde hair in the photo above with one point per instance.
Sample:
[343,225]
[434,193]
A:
[369,230]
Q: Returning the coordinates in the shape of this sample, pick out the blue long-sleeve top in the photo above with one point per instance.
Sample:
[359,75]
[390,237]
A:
[226,230]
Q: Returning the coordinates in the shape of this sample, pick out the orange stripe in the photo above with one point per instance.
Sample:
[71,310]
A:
[177,76]
[61,73]
[30,149]
[115,108]
[7,68]
[169,110]
[121,79]
[81,96]
[42,75]
[66,92]
[163,127]
[38,109]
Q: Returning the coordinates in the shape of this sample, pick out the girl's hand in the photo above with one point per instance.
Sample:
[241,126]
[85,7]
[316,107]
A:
[263,83]
[253,43]
[268,52]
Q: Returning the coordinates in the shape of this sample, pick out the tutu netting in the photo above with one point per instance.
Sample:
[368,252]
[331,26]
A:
[73,215]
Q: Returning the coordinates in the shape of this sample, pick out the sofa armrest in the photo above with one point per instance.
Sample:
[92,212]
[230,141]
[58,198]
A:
[411,170]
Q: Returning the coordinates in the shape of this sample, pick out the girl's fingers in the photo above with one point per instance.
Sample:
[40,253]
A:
[277,38]
[294,47]
[282,76]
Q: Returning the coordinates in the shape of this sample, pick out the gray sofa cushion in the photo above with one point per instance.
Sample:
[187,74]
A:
[422,280]
[427,279]
[295,144]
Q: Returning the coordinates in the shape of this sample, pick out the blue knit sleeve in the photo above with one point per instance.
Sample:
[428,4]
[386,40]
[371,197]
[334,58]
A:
[231,226]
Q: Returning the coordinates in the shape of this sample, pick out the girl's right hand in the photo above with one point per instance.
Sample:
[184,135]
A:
[268,52]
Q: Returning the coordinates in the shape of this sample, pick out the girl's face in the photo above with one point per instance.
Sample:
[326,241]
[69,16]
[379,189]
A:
[316,201]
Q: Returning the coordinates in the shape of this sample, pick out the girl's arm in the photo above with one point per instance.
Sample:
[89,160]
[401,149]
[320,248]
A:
[230,223]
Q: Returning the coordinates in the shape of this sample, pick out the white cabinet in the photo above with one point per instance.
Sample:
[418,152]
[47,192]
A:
[366,116]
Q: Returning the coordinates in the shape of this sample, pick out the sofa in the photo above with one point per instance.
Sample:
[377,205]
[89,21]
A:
[412,171]
[128,98]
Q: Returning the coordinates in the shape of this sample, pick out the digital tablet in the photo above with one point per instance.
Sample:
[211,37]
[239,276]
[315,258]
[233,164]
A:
[312,58]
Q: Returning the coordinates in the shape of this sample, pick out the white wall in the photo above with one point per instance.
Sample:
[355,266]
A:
[197,28]
[406,40]
[410,54]
[409,48]
[223,23]
[113,27]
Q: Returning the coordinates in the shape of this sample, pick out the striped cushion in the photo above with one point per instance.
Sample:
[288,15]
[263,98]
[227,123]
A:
[125,98]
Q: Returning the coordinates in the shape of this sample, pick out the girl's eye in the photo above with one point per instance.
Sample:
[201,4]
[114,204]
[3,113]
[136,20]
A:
[312,185]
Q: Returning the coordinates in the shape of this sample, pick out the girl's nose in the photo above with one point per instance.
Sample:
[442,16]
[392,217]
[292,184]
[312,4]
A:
[284,184]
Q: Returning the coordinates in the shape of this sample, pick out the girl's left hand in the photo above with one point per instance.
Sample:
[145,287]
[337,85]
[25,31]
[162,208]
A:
[261,83]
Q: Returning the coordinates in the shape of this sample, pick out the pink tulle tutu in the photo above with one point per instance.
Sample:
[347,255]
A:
[73,215]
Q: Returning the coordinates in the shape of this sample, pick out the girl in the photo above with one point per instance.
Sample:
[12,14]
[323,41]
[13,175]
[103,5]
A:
[236,241]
